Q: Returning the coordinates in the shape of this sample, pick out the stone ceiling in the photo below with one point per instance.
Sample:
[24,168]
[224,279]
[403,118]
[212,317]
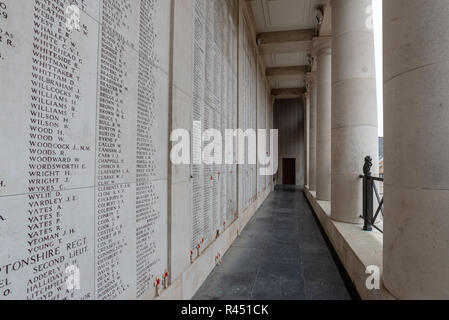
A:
[285,29]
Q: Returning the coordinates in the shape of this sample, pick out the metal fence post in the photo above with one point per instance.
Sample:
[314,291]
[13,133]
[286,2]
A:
[367,194]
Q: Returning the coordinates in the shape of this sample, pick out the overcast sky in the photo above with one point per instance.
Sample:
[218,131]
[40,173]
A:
[377,9]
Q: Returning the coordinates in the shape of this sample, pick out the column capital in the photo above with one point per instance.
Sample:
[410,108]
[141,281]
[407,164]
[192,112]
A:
[311,76]
[321,45]
[309,80]
[324,16]
[306,97]
[312,62]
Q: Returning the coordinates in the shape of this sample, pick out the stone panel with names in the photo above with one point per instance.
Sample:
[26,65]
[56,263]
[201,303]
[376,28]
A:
[261,123]
[248,117]
[83,174]
[215,107]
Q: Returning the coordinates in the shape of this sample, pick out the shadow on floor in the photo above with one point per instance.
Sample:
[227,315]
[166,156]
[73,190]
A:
[282,254]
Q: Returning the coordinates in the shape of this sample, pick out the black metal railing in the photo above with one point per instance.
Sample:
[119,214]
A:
[369,190]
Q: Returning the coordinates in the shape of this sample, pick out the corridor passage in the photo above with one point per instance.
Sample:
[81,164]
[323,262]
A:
[280,255]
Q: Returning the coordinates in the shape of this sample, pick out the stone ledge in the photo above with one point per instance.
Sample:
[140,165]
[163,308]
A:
[188,283]
[356,249]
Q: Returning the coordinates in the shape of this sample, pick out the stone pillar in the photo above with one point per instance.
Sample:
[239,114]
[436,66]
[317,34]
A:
[306,134]
[311,83]
[416,82]
[323,52]
[354,105]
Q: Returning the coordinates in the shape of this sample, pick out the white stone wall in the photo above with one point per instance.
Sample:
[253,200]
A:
[248,111]
[85,121]
[85,176]
[215,68]
[190,73]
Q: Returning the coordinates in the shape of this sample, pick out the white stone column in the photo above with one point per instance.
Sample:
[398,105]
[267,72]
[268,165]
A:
[354,105]
[306,100]
[323,52]
[311,80]
[416,84]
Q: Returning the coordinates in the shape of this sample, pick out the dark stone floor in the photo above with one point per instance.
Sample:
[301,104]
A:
[281,255]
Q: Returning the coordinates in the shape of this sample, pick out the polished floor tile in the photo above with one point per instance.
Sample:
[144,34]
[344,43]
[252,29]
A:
[281,255]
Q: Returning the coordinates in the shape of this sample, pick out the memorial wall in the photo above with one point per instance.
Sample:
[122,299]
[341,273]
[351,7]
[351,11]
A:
[248,114]
[84,147]
[215,105]
[88,90]
[215,70]
[262,122]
